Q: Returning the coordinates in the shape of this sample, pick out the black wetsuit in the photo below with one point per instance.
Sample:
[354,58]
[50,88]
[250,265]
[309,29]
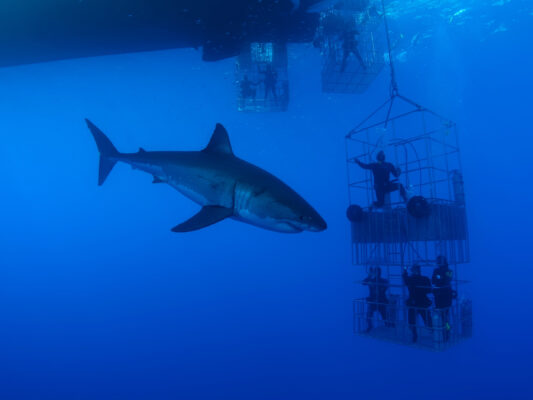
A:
[350,45]
[418,303]
[442,280]
[382,182]
[377,299]
[247,90]
[270,82]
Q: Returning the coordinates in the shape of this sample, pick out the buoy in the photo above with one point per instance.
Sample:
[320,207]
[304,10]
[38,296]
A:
[419,207]
[355,213]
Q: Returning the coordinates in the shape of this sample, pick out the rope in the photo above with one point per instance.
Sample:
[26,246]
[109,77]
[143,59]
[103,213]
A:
[393,83]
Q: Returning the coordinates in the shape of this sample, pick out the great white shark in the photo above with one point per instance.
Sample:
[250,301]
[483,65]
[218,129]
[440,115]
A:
[223,184]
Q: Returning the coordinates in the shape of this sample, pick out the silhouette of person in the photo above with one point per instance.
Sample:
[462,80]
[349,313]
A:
[270,81]
[332,25]
[377,296]
[442,291]
[382,183]
[247,88]
[350,45]
[417,303]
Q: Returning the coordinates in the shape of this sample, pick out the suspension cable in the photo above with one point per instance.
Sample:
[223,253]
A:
[393,83]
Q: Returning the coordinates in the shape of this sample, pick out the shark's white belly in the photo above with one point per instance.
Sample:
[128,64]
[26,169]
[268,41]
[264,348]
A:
[246,210]
[207,188]
[203,188]
[191,193]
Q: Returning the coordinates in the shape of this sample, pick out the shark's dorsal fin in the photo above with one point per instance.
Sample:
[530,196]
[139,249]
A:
[219,142]
[141,150]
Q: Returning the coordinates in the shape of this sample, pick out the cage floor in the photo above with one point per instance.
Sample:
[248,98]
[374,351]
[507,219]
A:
[426,338]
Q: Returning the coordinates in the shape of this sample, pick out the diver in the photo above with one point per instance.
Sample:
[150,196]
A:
[247,88]
[382,183]
[377,296]
[443,293]
[331,27]
[417,303]
[350,45]
[270,81]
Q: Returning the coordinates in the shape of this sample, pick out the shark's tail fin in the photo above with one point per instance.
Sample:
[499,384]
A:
[106,149]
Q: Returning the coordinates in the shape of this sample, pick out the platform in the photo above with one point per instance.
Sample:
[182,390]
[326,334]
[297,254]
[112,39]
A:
[435,338]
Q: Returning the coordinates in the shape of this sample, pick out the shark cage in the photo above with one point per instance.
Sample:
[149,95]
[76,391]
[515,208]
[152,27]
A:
[415,220]
[428,224]
[352,44]
[261,78]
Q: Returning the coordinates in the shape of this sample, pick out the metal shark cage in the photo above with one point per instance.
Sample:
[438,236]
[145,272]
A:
[425,147]
[261,78]
[396,235]
[352,45]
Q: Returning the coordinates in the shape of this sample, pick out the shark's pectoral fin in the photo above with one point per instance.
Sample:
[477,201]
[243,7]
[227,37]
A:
[208,215]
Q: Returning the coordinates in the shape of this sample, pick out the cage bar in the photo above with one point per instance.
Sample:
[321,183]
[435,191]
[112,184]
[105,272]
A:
[352,44]
[261,78]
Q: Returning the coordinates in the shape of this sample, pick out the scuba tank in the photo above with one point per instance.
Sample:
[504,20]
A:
[458,186]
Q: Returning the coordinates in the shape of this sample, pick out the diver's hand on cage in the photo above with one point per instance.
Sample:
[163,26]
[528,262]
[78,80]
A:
[398,172]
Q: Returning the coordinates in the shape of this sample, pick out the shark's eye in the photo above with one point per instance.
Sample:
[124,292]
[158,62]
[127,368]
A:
[302,218]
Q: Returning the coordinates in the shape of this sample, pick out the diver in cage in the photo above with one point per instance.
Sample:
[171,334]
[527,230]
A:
[377,297]
[382,183]
[270,81]
[417,303]
[350,45]
[443,293]
[247,88]
[331,25]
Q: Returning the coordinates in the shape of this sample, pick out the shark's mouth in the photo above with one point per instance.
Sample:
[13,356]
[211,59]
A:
[293,228]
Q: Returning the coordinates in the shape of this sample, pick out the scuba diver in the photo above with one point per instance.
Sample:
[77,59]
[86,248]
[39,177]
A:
[332,24]
[382,183]
[270,80]
[419,287]
[350,45]
[443,293]
[377,296]
[247,88]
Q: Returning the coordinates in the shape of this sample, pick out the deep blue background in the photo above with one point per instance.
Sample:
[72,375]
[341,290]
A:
[98,299]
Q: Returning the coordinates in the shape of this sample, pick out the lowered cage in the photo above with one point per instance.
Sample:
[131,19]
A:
[261,78]
[352,45]
[424,147]
[436,328]
[416,215]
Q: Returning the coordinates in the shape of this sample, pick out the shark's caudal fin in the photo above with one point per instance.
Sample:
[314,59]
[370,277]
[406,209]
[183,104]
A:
[106,149]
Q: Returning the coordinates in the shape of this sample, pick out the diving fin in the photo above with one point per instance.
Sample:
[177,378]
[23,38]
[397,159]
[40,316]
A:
[208,215]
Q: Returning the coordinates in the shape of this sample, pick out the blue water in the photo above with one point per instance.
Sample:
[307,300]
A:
[99,300]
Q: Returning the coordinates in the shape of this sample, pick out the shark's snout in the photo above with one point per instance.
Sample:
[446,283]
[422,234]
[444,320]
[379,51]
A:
[312,223]
[318,225]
